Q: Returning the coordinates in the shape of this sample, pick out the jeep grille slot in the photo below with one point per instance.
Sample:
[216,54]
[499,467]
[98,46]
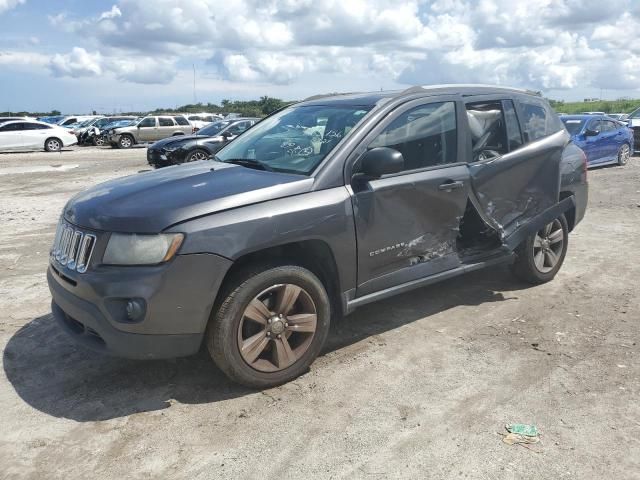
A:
[72,247]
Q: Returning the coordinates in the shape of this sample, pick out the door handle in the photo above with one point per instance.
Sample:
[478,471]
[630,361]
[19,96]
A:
[448,186]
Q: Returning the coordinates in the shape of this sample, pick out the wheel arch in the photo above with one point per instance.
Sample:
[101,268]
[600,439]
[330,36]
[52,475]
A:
[312,254]
[53,137]
[570,214]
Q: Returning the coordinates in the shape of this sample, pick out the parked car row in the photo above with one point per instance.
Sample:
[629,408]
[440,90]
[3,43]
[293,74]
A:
[206,142]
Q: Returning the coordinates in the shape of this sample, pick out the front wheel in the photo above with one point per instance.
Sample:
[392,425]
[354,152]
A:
[53,145]
[126,141]
[196,155]
[540,256]
[270,326]
[624,153]
[98,140]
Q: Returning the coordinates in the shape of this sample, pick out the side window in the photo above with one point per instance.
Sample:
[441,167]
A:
[181,120]
[595,125]
[12,127]
[148,122]
[538,120]
[425,135]
[608,126]
[487,125]
[35,126]
[166,122]
[238,128]
[514,135]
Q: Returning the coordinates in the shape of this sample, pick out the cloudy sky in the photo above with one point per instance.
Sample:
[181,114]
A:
[79,55]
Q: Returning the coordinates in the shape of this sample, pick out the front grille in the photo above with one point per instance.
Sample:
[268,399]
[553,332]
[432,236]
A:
[72,247]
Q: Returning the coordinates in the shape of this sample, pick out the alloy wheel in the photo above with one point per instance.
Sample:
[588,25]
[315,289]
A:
[198,155]
[624,154]
[53,145]
[277,327]
[547,246]
[125,142]
[99,141]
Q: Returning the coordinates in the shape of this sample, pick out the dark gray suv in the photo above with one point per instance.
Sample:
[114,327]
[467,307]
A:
[322,207]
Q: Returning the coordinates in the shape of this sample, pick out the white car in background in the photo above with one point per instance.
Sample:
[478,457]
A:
[66,121]
[34,135]
[200,120]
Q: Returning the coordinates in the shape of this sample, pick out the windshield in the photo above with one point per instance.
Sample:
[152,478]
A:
[573,125]
[213,129]
[296,139]
[635,113]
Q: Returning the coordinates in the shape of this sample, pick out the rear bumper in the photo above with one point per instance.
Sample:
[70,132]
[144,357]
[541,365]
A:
[177,299]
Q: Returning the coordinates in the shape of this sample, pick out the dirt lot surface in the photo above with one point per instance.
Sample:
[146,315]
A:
[418,386]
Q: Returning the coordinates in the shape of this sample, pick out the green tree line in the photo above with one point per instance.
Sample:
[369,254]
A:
[248,108]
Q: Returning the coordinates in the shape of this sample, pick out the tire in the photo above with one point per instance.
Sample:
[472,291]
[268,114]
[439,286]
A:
[53,144]
[283,350]
[528,267]
[197,154]
[624,153]
[98,141]
[126,141]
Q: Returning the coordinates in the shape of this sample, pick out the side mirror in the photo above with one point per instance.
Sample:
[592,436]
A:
[380,161]
[591,133]
[227,134]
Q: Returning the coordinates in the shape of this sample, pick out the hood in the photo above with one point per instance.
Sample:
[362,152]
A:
[165,142]
[180,139]
[153,201]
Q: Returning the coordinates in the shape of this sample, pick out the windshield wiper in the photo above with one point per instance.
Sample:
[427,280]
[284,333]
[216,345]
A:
[245,162]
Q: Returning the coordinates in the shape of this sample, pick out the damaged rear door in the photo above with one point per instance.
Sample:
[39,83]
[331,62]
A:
[407,222]
[516,149]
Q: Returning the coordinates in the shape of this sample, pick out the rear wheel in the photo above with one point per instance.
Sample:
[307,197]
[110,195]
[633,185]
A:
[126,141]
[53,145]
[196,155]
[540,256]
[270,326]
[624,153]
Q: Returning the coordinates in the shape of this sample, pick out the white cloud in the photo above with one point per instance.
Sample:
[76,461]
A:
[540,44]
[77,63]
[113,13]
[9,4]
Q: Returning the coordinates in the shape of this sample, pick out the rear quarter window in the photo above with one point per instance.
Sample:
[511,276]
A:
[181,120]
[538,120]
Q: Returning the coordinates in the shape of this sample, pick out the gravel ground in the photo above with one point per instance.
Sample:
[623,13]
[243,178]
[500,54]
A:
[418,386]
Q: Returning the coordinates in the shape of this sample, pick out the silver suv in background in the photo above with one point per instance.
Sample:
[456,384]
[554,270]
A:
[149,129]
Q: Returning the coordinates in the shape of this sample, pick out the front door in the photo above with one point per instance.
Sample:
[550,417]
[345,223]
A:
[594,144]
[407,223]
[147,129]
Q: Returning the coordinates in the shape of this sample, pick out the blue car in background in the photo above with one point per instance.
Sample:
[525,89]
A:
[603,139]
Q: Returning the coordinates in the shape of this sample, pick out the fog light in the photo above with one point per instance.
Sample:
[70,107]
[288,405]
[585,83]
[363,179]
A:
[135,310]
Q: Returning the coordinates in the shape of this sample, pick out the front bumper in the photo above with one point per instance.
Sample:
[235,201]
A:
[178,296]
[161,158]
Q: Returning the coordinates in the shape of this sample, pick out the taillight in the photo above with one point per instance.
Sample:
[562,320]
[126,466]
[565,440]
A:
[584,163]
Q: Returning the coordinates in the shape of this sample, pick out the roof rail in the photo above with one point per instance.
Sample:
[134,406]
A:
[326,95]
[475,85]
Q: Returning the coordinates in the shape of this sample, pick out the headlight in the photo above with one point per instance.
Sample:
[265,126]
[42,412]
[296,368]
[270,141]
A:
[140,249]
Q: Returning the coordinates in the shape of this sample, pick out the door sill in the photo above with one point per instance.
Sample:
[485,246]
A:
[490,260]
